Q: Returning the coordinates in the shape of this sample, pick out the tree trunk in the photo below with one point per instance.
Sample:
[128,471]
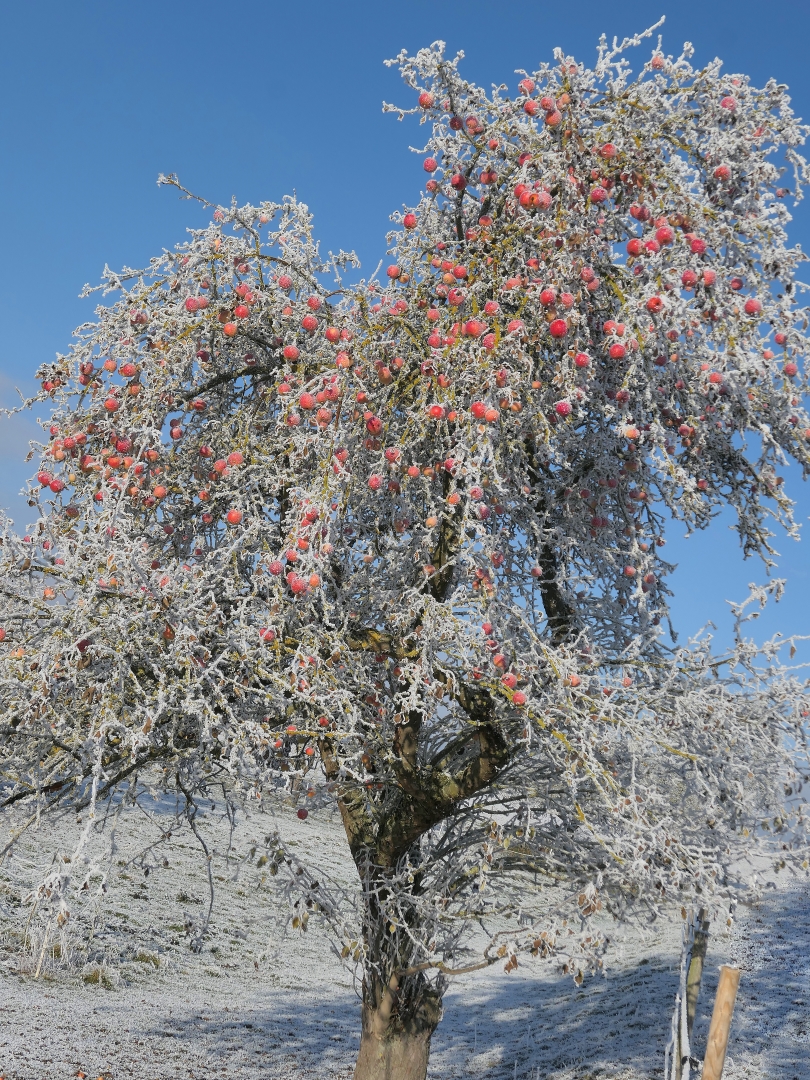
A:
[394,1047]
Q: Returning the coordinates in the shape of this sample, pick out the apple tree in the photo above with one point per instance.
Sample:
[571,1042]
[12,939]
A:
[398,545]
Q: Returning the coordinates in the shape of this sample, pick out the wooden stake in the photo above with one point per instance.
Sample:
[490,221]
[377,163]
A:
[721,1023]
[695,971]
[696,938]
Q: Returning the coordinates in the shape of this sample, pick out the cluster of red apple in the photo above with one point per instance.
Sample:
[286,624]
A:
[560,319]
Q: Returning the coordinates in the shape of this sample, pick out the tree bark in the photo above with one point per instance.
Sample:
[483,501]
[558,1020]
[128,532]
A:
[401,1008]
[395,1046]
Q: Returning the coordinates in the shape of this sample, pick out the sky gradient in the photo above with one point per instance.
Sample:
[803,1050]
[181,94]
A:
[260,99]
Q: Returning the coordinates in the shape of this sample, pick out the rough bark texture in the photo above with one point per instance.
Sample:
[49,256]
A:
[397,1047]
[400,1015]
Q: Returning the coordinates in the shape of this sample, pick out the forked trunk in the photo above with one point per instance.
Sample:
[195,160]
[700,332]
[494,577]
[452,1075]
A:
[394,1047]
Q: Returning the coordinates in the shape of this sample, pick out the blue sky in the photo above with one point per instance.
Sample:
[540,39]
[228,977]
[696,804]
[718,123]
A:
[260,98]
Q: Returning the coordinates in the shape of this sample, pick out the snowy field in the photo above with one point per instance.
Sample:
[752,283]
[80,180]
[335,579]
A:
[127,997]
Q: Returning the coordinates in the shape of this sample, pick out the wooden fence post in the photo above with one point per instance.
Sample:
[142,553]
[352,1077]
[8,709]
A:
[678,1058]
[721,1023]
[695,972]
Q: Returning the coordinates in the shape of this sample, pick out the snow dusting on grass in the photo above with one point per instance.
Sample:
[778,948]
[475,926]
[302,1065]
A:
[123,995]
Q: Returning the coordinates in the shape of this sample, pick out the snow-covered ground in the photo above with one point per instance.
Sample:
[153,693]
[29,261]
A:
[261,1001]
